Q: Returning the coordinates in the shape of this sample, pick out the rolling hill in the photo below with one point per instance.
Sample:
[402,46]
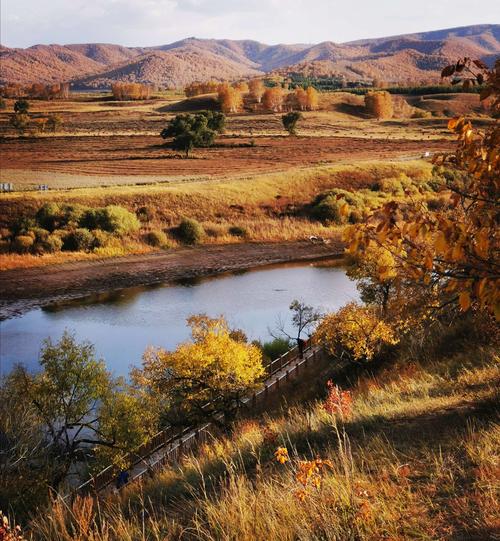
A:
[415,57]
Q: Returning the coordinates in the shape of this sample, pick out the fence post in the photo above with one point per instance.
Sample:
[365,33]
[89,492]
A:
[265,391]
[254,400]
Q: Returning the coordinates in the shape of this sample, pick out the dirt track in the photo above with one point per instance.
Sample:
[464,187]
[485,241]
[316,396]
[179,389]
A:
[25,289]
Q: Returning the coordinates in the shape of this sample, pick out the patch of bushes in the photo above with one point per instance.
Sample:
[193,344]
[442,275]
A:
[58,226]
[327,207]
[190,231]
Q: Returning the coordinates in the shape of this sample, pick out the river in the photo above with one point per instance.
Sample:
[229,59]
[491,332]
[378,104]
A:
[123,323]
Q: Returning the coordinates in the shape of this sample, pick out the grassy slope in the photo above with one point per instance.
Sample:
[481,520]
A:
[263,205]
[417,459]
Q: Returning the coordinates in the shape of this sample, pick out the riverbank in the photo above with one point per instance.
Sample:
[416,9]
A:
[25,289]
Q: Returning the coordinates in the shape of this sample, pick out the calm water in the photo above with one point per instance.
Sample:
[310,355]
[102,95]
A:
[121,324]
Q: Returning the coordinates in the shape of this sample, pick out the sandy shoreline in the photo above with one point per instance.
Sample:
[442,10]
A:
[25,289]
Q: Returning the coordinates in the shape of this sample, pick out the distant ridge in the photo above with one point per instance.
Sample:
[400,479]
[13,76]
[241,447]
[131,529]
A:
[407,57]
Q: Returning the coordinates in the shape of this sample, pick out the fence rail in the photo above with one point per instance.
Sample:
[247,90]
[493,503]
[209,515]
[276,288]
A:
[171,443]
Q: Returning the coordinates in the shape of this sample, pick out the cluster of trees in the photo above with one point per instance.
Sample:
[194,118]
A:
[55,91]
[131,91]
[272,98]
[189,131]
[230,98]
[196,89]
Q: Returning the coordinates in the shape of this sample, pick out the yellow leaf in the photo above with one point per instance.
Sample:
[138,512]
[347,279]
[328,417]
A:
[344,210]
[428,261]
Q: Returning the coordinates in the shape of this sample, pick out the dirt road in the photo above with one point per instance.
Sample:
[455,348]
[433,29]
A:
[24,289]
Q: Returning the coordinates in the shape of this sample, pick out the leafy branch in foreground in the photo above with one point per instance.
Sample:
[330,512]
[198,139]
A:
[455,250]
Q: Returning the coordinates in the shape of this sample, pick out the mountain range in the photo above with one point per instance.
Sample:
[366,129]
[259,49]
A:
[409,57]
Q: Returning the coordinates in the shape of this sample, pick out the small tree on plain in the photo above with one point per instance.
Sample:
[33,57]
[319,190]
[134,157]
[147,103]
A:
[290,122]
[190,131]
[21,106]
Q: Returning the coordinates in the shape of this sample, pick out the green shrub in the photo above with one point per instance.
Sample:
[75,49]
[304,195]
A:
[158,239]
[39,234]
[112,218]
[79,240]
[237,231]
[326,207]
[190,231]
[23,243]
[275,348]
[48,216]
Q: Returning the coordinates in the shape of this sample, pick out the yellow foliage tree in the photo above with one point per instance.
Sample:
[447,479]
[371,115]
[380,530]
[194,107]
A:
[379,104]
[273,99]
[242,86]
[202,378]
[312,98]
[301,98]
[257,89]
[355,332]
[230,99]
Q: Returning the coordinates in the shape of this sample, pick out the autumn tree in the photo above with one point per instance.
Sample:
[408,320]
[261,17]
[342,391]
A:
[273,99]
[189,131]
[312,98]
[290,122]
[203,379]
[301,98]
[355,332]
[242,86]
[257,89]
[379,104]
[230,99]
[20,122]
[453,250]
[54,122]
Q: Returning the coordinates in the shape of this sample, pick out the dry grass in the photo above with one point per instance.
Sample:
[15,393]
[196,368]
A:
[417,459]
[266,206]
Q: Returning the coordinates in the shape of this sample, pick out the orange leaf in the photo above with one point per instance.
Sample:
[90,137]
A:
[464,300]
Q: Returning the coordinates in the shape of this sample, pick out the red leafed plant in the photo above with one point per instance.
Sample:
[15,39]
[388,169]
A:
[338,402]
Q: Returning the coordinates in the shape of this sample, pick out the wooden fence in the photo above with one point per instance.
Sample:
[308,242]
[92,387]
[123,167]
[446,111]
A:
[171,443]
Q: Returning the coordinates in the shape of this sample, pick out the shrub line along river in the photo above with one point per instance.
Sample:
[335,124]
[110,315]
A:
[123,323]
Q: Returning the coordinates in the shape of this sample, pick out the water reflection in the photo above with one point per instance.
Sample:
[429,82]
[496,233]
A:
[124,322]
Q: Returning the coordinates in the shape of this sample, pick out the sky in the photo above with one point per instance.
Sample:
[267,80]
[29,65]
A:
[157,22]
